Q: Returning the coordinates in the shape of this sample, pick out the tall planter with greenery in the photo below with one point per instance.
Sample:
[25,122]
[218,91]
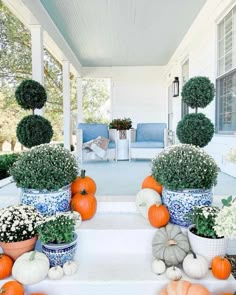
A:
[196,128]
[121,125]
[32,130]
[188,174]
[44,174]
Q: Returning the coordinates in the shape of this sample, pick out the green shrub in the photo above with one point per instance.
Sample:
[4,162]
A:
[195,129]
[34,130]
[198,92]
[6,161]
[184,166]
[31,94]
[45,167]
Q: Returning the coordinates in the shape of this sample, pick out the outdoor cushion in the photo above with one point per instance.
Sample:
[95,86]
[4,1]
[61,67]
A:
[92,131]
[150,132]
[147,144]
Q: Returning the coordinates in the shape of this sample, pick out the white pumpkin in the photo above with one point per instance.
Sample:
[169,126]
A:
[173,273]
[30,268]
[145,198]
[55,272]
[195,266]
[158,266]
[70,267]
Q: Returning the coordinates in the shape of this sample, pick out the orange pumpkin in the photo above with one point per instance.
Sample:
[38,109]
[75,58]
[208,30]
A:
[221,267]
[150,182]
[158,215]
[12,288]
[184,288]
[6,264]
[83,182]
[37,293]
[84,203]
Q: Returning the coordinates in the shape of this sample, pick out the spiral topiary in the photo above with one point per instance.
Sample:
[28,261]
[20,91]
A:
[195,129]
[31,94]
[33,130]
[198,92]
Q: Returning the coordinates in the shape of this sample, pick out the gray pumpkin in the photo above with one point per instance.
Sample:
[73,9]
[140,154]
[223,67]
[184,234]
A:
[170,244]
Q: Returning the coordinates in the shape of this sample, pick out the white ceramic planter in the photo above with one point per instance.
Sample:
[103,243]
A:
[209,248]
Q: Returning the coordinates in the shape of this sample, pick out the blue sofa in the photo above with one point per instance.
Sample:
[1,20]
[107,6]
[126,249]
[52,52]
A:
[147,140]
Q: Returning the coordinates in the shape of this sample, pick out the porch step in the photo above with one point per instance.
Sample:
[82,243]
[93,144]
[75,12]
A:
[128,274]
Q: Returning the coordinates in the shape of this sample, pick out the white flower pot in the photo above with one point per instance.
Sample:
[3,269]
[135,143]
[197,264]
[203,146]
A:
[209,248]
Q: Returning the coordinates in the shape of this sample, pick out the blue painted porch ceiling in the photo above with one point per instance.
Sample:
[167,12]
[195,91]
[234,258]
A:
[123,32]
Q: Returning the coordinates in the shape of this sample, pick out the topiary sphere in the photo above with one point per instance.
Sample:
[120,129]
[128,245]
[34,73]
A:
[31,94]
[195,129]
[33,130]
[198,92]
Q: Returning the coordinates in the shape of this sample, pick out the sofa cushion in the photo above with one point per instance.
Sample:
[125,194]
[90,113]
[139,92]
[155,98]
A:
[147,144]
[150,132]
[92,131]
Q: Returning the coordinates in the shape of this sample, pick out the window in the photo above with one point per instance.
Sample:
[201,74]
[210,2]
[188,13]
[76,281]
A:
[185,77]
[226,75]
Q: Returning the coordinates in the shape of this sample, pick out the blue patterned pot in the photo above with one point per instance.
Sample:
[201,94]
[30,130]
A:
[58,254]
[179,203]
[47,202]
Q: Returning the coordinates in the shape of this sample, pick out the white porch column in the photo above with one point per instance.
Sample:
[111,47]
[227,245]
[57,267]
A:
[37,57]
[66,103]
[79,140]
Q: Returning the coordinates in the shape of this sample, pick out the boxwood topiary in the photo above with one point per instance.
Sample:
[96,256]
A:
[31,94]
[195,129]
[198,92]
[6,161]
[33,130]
[184,166]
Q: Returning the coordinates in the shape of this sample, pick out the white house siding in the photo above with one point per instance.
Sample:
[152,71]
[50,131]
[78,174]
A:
[200,47]
[136,92]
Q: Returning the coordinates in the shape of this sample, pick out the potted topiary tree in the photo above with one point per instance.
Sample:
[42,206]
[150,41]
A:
[188,174]
[121,125]
[196,128]
[44,174]
[32,130]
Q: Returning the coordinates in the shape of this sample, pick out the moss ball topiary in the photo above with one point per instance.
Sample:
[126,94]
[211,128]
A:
[198,92]
[31,94]
[33,130]
[195,129]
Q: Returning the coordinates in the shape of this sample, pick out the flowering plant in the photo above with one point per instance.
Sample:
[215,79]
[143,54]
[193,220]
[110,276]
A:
[45,167]
[18,223]
[225,222]
[204,218]
[56,229]
[184,166]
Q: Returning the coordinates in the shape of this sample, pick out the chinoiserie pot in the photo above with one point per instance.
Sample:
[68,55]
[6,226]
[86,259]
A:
[58,254]
[180,203]
[16,249]
[47,202]
[207,247]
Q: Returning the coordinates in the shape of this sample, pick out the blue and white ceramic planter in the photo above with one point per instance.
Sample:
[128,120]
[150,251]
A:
[47,202]
[58,254]
[180,203]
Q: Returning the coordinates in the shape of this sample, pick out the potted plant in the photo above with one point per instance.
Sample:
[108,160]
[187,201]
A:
[18,229]
[187,174]
[203,238]
[44,174]
[58,237]
[121,125]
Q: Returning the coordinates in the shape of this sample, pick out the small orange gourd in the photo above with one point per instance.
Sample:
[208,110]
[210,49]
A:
[158,215]
[37,293]
[6,264]
[150,182]
[184,288]
[83,182]
[12,288]
[84,203]
[221,267]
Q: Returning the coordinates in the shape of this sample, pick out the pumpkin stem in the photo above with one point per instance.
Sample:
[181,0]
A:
[171,243]
[194,254]
[2,291]
[83,192]
[158,204]
[142,205]
[32,256]
[82,174]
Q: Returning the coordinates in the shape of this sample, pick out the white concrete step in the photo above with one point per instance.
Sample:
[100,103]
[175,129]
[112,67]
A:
[119,274]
